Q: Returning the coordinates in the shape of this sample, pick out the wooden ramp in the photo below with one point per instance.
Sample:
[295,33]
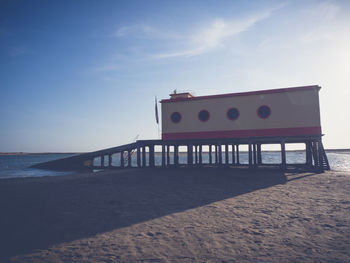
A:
[221,153]
[85,160]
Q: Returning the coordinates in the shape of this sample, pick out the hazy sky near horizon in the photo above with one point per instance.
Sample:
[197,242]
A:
[82,75]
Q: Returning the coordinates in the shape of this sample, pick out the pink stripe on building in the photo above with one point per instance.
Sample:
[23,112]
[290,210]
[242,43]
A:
[244,133]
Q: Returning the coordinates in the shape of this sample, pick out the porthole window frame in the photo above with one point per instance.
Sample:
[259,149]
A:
[262,117]
[232,108]
[171,115]
[200,113]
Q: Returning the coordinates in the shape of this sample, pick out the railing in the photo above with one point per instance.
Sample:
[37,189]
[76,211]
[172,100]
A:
[222,152]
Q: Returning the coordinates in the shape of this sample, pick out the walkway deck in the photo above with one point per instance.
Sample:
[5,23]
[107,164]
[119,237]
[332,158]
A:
[222,152]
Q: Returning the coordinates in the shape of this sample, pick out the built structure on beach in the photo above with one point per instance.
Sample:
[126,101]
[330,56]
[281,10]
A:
[222,124]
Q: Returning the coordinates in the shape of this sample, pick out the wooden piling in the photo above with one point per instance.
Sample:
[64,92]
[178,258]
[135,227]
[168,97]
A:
[250,159]
[210,154]
[168,154]
[308,153]
[190,154]
[110,160]
[220,154]
[320,156]
[122,159]
[254,154]
[143,156]
[129,158]
[315,153]
[163,155]
[151,156]
[233,154]
[102,161]
[259,153]
[283,154]
[176,155]
[138,157]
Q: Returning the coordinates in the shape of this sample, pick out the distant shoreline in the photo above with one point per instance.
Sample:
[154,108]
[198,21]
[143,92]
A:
[29,153]
[340,151]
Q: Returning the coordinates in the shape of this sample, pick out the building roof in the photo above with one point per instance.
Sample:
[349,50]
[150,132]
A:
[259,92]
[183,95]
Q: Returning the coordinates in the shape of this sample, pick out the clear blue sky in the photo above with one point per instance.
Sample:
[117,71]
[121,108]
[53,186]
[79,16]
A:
[82,75]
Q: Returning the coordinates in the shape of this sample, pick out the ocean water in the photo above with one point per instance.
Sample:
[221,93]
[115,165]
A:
[12,166]
[339,161]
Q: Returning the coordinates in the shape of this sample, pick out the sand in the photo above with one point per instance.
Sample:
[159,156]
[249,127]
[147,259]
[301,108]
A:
[183,215]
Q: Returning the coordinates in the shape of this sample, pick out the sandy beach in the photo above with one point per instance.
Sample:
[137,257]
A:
[176,215]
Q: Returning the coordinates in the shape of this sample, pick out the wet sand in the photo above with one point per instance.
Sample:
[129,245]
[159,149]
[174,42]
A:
[184,215]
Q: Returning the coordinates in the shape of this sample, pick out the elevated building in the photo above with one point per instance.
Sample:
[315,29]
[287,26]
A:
[222,123]
[278,112]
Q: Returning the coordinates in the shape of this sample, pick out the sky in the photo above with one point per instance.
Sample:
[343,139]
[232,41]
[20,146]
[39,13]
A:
[82,75]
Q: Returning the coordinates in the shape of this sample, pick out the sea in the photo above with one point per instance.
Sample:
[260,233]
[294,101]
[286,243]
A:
[18,165]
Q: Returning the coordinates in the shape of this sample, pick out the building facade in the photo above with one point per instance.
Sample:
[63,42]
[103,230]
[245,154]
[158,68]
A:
[279,112]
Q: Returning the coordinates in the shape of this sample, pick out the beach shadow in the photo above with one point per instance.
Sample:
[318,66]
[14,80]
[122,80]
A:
[40,212]
[298,176]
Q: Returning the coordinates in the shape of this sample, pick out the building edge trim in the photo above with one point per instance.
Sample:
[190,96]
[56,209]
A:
[259,92]
[244,133]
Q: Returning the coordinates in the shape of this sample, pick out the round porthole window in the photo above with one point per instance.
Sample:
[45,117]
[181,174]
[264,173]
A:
[232,114]
[175,117]
[264,112]
[203,115]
